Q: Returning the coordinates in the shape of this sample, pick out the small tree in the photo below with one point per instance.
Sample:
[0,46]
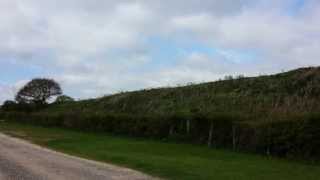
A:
[9,105]
[38,91]
[63,99]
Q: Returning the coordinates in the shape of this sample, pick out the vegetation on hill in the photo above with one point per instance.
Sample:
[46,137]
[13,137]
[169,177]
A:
[276,115]
[297,90]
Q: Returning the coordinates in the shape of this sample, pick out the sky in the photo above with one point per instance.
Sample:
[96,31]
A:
[95,48]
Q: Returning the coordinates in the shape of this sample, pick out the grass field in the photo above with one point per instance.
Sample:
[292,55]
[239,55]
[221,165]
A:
[167,160]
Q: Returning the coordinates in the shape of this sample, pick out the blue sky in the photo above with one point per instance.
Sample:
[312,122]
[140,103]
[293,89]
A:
[97,47]
[296,7]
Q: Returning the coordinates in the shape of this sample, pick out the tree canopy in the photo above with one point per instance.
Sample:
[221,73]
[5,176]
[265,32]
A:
[38,91]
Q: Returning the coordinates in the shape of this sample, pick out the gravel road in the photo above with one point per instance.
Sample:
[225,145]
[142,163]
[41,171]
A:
[20,160]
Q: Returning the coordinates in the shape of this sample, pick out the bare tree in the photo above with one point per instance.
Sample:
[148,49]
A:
[38,91]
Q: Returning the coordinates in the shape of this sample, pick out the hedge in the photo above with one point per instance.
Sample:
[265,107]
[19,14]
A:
[296,136]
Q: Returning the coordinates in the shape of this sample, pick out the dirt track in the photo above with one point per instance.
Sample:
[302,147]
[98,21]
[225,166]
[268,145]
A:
[20,160]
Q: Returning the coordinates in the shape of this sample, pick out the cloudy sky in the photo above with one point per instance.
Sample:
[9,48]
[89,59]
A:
[95,47]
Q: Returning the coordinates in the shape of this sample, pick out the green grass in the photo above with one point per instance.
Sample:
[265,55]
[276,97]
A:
[167,160]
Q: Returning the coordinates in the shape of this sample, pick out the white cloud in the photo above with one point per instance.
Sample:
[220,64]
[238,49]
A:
[279,37]
[7,92]
[100,47]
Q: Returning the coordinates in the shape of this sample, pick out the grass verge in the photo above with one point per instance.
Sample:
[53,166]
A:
[167,160]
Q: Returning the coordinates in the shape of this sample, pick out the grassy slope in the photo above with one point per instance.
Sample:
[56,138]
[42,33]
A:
[173,161]
[294,91]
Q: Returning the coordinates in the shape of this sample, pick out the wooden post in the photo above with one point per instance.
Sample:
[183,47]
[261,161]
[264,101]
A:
[234,140]
[210,134]
[188,126]
[171,131]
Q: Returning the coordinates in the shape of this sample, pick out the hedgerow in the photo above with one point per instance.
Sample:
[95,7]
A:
[295,136]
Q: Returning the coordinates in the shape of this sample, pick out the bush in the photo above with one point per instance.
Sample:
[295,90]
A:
[9,106]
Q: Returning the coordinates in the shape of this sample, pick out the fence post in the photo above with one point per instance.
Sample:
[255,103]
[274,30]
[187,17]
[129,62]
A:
[210,134]
[234,138]
[188,126]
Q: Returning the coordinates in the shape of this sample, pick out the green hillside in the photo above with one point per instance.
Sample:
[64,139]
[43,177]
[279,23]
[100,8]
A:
[294,91]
